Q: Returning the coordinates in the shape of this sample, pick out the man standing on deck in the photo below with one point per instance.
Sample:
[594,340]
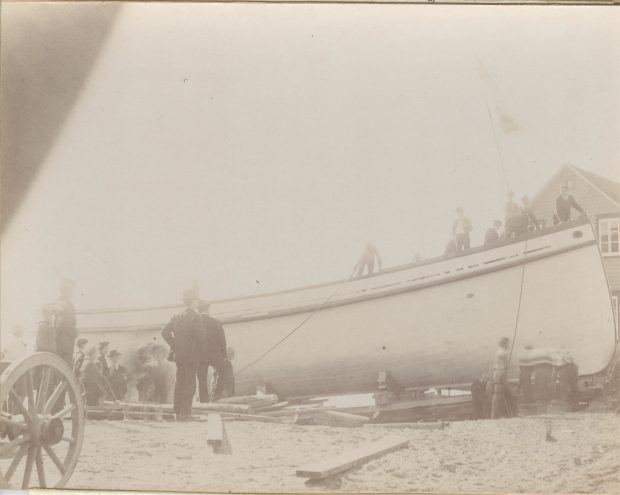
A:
[503,399]
[513,216]
[461,229]
[185,335]
[564,203]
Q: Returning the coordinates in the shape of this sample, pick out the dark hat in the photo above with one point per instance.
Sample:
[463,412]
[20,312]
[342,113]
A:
[113,353]
[103,344]
[190,295]
[82,341]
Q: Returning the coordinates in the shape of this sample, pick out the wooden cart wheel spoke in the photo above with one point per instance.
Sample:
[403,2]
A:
[36,393]
[16,460]
[55,459]
[28,470]
[30,392]
[14,443]
[19,401]
[40,468]
[60,388]
[65,411]
[43,387]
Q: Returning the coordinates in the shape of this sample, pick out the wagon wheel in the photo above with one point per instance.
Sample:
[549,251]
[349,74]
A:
[41,422]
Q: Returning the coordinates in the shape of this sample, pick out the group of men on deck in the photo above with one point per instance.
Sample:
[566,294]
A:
[197,342]
[518,220]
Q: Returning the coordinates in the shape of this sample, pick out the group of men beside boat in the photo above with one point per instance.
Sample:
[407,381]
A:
[197,342]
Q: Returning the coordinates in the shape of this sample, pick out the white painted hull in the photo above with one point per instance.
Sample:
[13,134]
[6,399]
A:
[432,323]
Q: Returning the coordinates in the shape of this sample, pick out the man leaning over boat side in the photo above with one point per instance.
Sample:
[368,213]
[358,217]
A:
[367,260]
[184,335]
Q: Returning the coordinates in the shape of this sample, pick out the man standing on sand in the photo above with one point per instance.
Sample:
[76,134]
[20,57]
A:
[503,399]
[102,359]
[80,355]
[64,321]
[185,335]
[213,353]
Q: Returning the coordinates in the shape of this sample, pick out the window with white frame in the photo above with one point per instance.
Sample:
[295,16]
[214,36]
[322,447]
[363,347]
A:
[608,236]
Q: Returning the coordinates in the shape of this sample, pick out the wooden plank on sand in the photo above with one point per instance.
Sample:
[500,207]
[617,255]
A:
[351,459]
[335,418]
[215,429]
[250,417]
[413,426]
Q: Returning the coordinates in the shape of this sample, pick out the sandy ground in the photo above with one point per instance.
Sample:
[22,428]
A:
[509,455]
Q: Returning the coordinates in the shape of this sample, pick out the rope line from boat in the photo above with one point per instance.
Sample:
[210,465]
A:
[497,147]
[300,325]
[514,334]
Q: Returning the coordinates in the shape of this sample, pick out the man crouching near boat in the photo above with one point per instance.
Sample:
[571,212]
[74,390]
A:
[503,402]
[184,335]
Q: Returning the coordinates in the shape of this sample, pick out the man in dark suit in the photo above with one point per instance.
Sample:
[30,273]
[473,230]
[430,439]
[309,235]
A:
[213,353]
[461,229]
[564,203]
[185,335]
[494,233]
[79,356]
[102,359]
[65,322]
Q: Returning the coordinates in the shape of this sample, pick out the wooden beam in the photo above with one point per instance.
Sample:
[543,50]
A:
[272,407]
[250,417]
[413,426]
[351,459]
[335,418]
[215,430]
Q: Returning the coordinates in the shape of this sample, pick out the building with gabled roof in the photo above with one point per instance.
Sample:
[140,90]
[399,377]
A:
[600,198]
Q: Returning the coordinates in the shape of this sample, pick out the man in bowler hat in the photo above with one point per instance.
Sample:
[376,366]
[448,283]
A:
[185,335]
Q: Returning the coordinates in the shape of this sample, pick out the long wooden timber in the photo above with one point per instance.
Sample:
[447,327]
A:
[370,410]
[412,426]
[351,459]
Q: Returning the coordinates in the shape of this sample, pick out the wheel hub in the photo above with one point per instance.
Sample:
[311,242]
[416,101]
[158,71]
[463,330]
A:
[51,432]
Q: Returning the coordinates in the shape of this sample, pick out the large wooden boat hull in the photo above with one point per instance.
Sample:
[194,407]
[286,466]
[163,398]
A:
[430,323]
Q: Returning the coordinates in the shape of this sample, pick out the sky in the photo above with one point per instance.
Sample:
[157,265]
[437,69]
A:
[253,148]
